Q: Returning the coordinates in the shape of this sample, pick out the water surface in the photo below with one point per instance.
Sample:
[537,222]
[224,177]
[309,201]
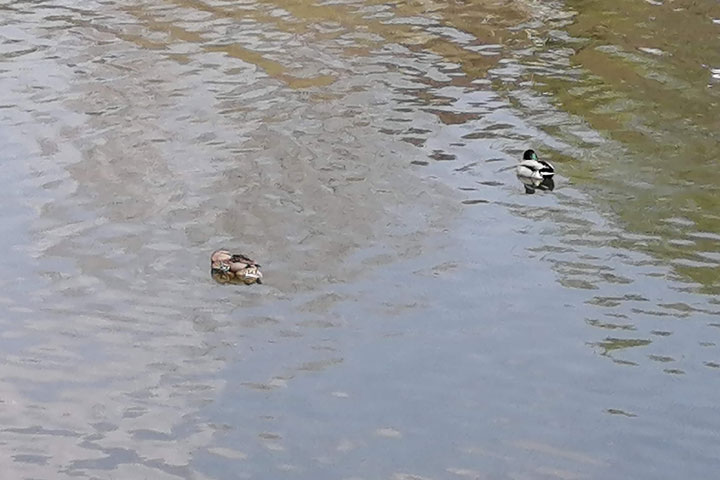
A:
[422,318]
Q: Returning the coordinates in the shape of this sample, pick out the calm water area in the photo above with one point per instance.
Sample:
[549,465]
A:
[422,318]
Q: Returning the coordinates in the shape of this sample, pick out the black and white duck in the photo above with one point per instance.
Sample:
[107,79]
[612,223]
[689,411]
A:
[535,173]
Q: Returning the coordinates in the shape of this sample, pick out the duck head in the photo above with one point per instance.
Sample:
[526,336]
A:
[530,155]
[220,260]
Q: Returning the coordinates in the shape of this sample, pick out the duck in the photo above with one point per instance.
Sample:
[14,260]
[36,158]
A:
[226,267]
[535,173]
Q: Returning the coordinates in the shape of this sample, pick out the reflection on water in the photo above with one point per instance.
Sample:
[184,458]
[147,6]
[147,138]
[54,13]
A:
[408,326]
[640,76]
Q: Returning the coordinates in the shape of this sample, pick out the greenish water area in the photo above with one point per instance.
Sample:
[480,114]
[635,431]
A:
[421,317]
[645,76]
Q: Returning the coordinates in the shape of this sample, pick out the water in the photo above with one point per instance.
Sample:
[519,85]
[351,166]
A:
[421,317]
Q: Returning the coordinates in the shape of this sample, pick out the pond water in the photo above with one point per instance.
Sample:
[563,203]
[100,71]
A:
[421,316]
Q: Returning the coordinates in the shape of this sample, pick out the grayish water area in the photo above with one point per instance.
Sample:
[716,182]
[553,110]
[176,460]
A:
[421,316]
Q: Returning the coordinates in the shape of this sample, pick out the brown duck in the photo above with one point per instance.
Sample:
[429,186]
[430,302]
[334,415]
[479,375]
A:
[226,267]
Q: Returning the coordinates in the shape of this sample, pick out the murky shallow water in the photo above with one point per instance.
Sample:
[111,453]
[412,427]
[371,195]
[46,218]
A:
[421,318]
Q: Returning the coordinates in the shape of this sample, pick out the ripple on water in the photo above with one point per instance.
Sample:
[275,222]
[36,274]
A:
[141,137]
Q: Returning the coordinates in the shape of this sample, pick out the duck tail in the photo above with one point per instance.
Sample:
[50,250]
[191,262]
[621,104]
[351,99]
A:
[548,183]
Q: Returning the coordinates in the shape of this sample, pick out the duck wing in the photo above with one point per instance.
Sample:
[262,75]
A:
[238,259]
[545,168]
[530,169]
[540,166]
